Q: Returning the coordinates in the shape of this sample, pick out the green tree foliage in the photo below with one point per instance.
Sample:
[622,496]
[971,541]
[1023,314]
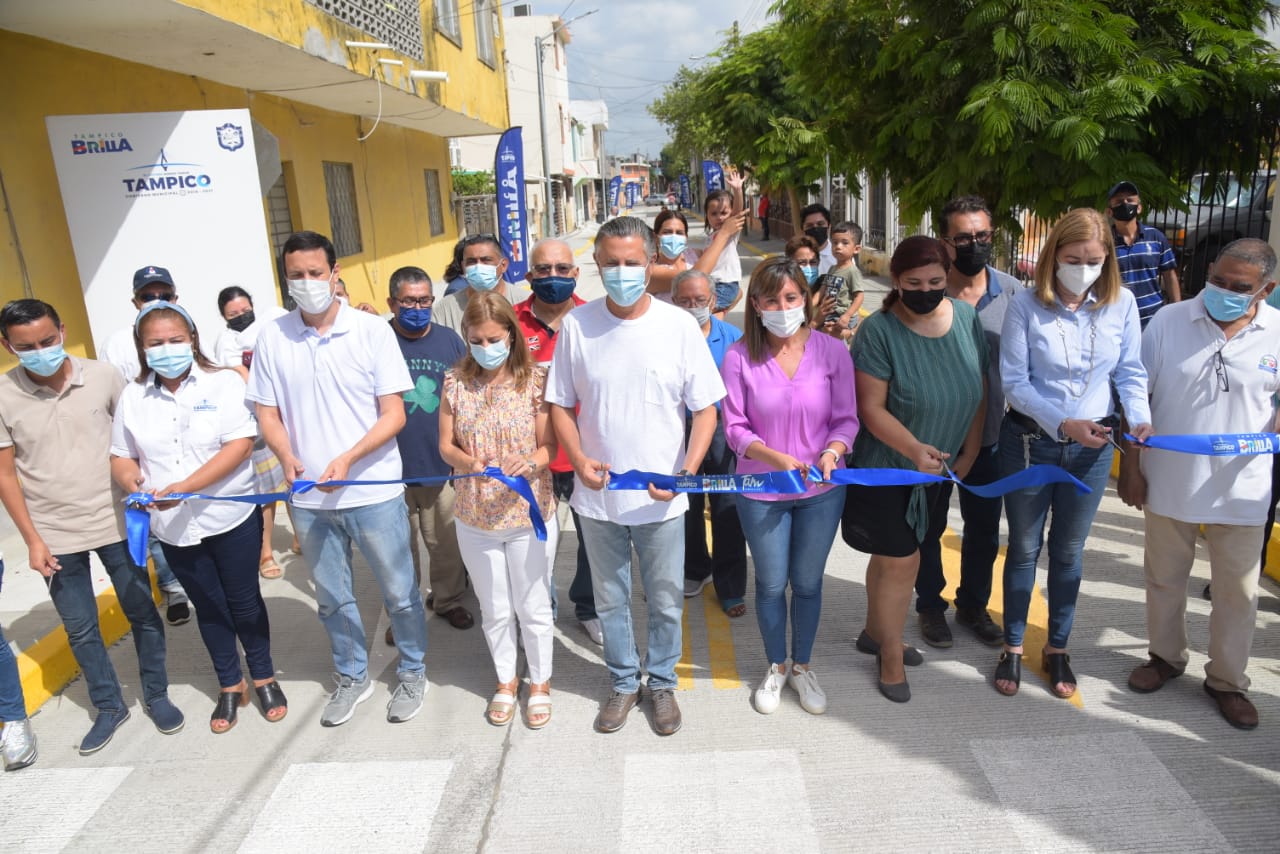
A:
[1037,104]
[473,183]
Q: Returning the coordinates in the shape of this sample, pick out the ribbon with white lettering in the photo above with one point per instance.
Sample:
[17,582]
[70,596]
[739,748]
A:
[1213,445]
[138,519]
[785,482]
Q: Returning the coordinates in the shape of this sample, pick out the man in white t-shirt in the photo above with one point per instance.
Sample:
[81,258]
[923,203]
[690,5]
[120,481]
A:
[327,380]
[1212,369]
[636,366]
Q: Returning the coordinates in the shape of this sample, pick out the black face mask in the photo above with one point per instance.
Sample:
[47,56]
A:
[972,258]
[922,302]
[241,322]
[1124,212]
[818,233]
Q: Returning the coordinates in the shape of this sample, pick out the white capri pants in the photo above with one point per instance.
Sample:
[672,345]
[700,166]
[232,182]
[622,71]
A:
[509,569]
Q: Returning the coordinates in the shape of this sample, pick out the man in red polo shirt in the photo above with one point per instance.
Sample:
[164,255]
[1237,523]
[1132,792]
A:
[552,276]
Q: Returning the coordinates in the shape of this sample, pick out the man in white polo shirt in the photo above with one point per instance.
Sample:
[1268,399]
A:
[1212,369]
[327,380]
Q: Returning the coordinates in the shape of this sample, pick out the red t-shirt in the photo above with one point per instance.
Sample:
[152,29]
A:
[542,345]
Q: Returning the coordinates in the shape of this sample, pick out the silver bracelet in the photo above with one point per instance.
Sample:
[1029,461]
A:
[832,451]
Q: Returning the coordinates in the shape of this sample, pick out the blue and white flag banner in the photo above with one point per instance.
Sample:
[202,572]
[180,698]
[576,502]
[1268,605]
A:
[633,194]
[712,176]
[684,191]
[513,225]
[1213,445]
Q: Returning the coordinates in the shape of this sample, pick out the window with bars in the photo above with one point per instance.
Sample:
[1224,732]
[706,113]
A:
[344,218]
[484,33]
[280,225]
[435,207]
[448,21]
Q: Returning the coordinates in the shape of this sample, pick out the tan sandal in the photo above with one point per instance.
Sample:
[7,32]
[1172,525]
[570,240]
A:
[537,712]
[502,707]
[268,568]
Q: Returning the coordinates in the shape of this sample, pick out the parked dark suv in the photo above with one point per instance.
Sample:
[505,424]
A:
[1218,212]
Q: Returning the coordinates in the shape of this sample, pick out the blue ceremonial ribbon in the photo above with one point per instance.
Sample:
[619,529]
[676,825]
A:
[137,519]
[785,482]
[1213,445]
[1028,478]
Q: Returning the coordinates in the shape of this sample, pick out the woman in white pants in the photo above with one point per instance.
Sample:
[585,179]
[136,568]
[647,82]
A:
[492,413]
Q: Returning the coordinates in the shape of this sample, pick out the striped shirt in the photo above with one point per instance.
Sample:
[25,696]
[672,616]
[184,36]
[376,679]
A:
[1141,265]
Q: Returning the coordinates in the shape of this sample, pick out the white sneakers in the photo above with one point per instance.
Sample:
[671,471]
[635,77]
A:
[594,630]
[804,682]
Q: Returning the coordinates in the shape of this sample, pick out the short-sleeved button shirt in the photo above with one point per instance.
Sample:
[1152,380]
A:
[1141,264]
[327,388]
[62,443]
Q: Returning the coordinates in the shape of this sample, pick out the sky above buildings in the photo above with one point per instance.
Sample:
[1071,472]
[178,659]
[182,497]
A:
[620,55]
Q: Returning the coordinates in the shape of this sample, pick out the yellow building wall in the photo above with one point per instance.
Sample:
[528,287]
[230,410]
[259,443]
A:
[41,78]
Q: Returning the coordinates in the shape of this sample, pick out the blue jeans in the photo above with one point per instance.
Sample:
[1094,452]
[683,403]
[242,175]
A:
[71,589]
[790,541]
[165,579]
[12,705]
[726,563]
[381,531]
[660,546]
[580,592]
[726,293]
[979,546]
[220,574]
[1027,510]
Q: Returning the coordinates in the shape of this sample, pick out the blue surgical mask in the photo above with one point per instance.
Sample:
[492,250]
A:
[170,360]
[672,245]
[1224,305]
[482,277]
[45,361]
[490,356]
[414,319]
[553,290]
[624,285]
[810,272]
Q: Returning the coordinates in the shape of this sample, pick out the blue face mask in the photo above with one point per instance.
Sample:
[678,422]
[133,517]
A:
[553,290]
[672,245]
[810,272]
[1224,305]
[624,285]
[490,356]
[482,277]
[169,360]
[414,319]
[45,361]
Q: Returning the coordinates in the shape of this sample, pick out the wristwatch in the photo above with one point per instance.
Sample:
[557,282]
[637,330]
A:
[684,473]
[1062,432]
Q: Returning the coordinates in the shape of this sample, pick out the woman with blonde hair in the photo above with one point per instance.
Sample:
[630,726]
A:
[1066,342]
[493,413]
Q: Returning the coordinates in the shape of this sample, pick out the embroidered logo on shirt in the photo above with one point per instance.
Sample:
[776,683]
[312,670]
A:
[205,406]
[1267,363]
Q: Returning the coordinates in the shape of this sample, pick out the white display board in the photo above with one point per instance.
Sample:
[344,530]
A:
[177,190]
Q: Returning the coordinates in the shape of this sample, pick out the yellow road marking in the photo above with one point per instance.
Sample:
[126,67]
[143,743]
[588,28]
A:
[583,248]
[723,661]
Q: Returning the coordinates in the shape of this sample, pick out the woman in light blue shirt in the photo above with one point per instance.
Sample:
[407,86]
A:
[1066,341]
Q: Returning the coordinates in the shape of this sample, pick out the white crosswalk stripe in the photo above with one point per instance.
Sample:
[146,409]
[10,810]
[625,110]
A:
[44,809]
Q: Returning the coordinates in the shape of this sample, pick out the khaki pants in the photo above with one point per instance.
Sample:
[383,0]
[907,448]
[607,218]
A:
[1233,571]
[431,516]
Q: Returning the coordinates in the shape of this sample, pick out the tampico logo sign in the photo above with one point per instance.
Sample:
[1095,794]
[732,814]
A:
[167,178]
[109,142]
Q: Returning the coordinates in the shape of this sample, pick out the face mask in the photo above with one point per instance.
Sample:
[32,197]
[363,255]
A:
[672,245]
[701,314]
[482,277]
[490,356]
[1224,305]
[624,285]
[783,323]
[45,361]
[169,360]
[818,233]
[313,296]
[810,272]
[922,302]
[1124,212]
[1078,278]
[553,290]
[972,258]
[241,322]
[414,319]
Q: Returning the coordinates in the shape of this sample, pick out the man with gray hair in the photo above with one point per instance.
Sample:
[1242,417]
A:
[635,366]
[1213,365]
[726,563]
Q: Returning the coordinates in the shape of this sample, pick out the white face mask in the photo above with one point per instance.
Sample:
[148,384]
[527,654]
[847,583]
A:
[313,296]
[1078,278]
[701,314]
[783,323]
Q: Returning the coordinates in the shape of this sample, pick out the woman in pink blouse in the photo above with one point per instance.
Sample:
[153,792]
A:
[492,413]
[790,404]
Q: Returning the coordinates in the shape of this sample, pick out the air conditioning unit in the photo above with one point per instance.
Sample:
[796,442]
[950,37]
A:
[522,10]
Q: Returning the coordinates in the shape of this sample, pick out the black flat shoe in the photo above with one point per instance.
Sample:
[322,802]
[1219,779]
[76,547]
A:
[271,697]
[229,702]
[1009,669]
[865,643]
[898,692]
[1058,666]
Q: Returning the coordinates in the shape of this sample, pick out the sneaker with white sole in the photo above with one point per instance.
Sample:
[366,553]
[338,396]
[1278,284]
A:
[344,699]
[17,744]
[805,683]
[594,630]
[693,588]
[769,694]
[406,700]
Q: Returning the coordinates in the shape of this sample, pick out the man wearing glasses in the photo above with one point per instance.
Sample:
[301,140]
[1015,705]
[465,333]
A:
[429,350]
[965,229]
[1212,369]
[484,265]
